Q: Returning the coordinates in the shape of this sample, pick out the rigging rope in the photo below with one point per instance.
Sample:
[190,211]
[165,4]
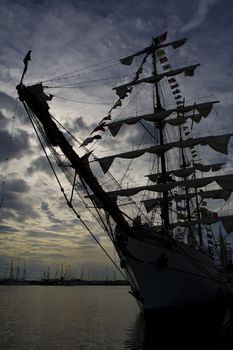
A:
[82,102]
[84,82]
[69,204]
[5,168]
[63,76]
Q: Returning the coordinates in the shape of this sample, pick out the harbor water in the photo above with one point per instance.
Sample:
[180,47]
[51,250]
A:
[80,317]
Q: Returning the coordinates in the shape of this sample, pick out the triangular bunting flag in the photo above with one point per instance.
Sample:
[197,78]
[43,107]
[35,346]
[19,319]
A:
[174,86]
[100,127]
[127,60]
[159,39]
[163,60]
[172,80]
[90,139]
[167,66]
[178,43]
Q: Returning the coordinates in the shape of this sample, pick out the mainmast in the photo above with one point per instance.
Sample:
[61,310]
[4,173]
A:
[163,179]
[184,165]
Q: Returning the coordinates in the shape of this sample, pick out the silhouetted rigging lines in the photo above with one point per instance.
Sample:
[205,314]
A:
[6,161]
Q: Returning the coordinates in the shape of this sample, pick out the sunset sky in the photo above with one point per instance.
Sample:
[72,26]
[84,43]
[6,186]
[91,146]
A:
[69,36]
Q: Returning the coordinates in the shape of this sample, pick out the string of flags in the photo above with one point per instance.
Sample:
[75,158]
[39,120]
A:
[175,89]
[210,240]
[122,92]
[25,61]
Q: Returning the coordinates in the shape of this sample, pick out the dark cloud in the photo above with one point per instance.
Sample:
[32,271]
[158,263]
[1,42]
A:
[199,16]
[16,203]
[4,122]
[13,107]
[20,144]
[18,209]
[12,141]
[15,146]
[39,164]
[76,126]
[50,214]
[5,144]
[5,229]
[80,124]
[7,102]
[17,185]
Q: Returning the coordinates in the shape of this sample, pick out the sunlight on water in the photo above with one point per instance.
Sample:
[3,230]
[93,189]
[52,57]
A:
[44,317]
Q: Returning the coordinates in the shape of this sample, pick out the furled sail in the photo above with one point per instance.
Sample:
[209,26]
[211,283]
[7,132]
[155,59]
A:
[217,143]
[152,203]
[227,222]
[224,181]
[187,70]
[188,171]
[203,110]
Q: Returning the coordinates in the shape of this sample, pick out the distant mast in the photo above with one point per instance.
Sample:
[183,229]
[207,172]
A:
[11,270]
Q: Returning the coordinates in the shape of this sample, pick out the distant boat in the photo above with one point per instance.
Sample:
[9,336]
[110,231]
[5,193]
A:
[159,221]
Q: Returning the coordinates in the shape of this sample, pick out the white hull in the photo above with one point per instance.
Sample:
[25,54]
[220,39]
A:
[170,274]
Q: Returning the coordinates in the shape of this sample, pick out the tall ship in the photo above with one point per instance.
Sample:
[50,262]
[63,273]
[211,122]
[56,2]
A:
[151,178]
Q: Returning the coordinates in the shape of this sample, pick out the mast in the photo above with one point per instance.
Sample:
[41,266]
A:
[36,100]
[17,271]
[199,232]
[184,165]
[163,179]
[11,270]
[24,271]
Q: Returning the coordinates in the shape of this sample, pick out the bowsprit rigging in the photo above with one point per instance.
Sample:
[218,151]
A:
[70,177]
[162,230]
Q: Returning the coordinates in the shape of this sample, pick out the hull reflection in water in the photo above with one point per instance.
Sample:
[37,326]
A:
[182,328]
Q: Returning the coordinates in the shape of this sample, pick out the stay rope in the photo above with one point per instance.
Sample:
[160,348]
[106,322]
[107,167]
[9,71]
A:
[5,168]
[69,204]
[69,74]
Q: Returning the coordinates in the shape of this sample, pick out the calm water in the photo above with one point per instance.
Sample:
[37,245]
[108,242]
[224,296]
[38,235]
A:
[82,317]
